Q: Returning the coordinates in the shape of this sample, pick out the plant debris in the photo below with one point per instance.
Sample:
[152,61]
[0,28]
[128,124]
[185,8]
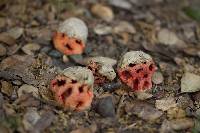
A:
[49,43]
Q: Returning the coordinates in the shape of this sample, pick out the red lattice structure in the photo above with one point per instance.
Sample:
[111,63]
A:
[71,94]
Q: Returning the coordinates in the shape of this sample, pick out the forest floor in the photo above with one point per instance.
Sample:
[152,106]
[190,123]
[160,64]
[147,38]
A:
[168,30]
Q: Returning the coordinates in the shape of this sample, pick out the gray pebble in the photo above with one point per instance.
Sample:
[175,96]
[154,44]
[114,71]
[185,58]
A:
[157,78]
[55,54]
[190,82]
[121,4]
[1,100]
[17,82]
[16,32]
[105,106]
[2,50]
[111,86]
[30,48]
[77,58]
[45,49]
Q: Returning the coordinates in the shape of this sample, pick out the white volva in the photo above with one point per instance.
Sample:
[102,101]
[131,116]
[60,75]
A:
[134,57]
[81,74]
[74,27]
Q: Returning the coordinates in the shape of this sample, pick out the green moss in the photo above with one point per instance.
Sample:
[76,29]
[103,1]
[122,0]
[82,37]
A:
[13,122]
[193,13]
[62,5]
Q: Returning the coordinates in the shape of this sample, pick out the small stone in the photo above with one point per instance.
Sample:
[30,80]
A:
[124,4]
[124,26]
[16,32]
[6,88]
[2,50]
[102,29]
[104,12]
[166,103]
[30,118]
[55,54]
[91,129]
[30,48]
[157,78]
[25,88]
[45,49]
[105,106]
[144,110]
[143,95]
[168,37]
[17,82]
[44,122]
[2,22]
[7,39]
[176,113]
[181,124]
[1,100]
[65,59]
[190,82]
[13,49]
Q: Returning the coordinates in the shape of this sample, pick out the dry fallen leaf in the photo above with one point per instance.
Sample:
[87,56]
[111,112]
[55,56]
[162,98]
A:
[166,103]
[45,121]
[6,88]
[144,110]
[91,129]
[7,39]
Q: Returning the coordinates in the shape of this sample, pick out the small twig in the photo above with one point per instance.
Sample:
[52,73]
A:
[129,127]
[120,104]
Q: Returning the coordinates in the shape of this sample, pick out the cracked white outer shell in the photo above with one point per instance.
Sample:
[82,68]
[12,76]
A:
[101,60]
[81,74]
[134,57]
[106,64]
[74,27]
[107,71]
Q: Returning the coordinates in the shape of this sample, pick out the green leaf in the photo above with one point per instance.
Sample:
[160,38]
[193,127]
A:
[12,122]
[192,12]
[196,128]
